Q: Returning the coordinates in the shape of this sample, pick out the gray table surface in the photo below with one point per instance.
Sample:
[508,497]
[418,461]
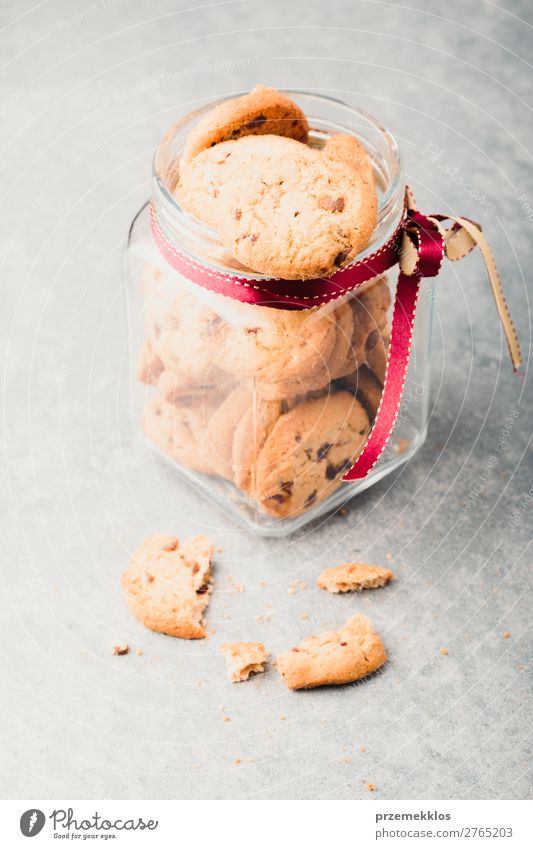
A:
[86,91]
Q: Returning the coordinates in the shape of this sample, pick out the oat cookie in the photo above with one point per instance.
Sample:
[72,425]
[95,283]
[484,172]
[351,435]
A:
[308,450]
[167,586]
[244,660]
[261,111]
[351,577]
[335,657]
[180,430]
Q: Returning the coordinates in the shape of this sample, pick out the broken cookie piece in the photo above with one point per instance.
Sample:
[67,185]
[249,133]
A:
[167,586]
[335,657]
[244,660]
[354,577]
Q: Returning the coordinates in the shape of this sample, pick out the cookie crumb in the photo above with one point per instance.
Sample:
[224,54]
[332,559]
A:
[388,556]
[244,660]
[443,651]
[371,788]
[282,716]
[343,512]
[304,615]
[226,719]
[346,759]
[362,748]
[262,584]
[121,648]
[139,652]
[353,577]
[237,761]
[506,635]
[402,445]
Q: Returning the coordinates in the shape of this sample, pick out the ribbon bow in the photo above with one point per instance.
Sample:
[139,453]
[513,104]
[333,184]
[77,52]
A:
[419,245]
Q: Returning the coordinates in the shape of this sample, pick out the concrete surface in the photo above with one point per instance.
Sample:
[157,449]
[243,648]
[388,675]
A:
[86,90]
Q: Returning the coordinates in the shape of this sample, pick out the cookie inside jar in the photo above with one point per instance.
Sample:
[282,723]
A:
[269,406]
[279,408]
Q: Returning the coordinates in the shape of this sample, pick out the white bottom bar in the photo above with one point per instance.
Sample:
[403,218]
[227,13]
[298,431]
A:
[264,825]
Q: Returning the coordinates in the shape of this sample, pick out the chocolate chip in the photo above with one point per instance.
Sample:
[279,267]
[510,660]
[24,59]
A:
[341,257]
[323,450]
[372,340]
[285,408]
[310,498]
[238,213]
[331,204]
[213,323]
[278,497]
[344,644]
[333,471]
[251,331]
[256,122]
[203,589]
[287,486]
[254,237]
[308,453]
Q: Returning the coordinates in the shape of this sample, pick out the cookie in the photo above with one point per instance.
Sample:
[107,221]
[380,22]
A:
[281,208]
[244,660]
[376,355]
[370,310]
[307,451]
[149,366]
[366,387]
[335,657]
[182,330]
[279,345]
[352,577]
[213,390]
[262,111]
[295,212]
[221,430]
[350,150]
[249,438]
[167,586]
[180,431]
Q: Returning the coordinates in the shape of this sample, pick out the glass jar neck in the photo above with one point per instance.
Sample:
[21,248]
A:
[326,117]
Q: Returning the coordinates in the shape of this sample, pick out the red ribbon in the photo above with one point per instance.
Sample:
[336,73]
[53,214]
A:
[420,236]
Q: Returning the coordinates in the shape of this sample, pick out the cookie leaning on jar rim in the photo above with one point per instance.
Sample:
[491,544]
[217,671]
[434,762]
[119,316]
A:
[278,402]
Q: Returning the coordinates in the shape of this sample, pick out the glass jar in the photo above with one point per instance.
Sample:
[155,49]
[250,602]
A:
[265,409]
